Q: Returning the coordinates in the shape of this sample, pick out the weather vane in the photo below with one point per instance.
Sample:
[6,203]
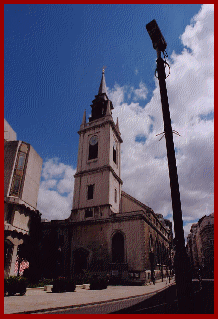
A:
[103,69]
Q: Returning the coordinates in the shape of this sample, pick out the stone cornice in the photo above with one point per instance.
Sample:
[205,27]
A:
[94,206]
[100,169]
[119,217]
[100,123]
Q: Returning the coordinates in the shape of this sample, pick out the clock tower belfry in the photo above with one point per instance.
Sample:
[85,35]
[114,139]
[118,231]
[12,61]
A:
[97,186]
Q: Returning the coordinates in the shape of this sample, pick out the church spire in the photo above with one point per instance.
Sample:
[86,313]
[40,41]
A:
[102,88]
[99,104]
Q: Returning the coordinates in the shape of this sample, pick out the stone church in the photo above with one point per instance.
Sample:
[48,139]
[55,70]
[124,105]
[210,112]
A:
[108,230]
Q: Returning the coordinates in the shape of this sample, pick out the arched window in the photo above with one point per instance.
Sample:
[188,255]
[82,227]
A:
[162,254]
[158,253]
[118,248]
[151,243]
[93,147]
[115,195]
[115,152]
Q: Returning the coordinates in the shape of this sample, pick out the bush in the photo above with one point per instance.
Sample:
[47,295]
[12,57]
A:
[82,278]
[59,285]
[70,285]
[62,285]
[14,284]
[45,282]
[31,276]
[115,281]
[98,282]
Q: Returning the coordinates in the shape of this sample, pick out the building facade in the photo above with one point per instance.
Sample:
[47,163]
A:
[108,231]
[22,171]
[200,245]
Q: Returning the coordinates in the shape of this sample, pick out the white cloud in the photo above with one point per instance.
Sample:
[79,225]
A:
[52,168]
[65,185]
[141,93]
[48,184]
[56,190]
[117,93]
[187,228]
[198,36]
[52,205]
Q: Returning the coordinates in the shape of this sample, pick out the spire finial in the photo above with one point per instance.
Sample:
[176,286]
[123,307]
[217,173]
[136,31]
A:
[103,69]
[102,88]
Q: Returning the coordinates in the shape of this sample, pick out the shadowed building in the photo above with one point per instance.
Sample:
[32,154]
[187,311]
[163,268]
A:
[22,171]
[108,230]
[200,245]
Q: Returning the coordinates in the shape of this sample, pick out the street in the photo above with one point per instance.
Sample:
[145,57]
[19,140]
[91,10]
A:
[104,308]
[165,302]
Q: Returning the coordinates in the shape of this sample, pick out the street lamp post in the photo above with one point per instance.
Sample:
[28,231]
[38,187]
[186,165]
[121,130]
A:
[182,269]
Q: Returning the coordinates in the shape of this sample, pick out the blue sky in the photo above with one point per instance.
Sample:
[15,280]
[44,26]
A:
[54,56]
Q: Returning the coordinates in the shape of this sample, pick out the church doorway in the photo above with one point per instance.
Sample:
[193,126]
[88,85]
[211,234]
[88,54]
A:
[80,257]
[118,248]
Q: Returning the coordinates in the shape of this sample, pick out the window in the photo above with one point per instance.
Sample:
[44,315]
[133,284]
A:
[88,212]
[118,248]
[114,153]
[21,160]
[151,242]
[134,275]
[90,191]
[93,147]
[115,195]
[16,185]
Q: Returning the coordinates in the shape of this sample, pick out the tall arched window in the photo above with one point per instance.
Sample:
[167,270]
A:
[118,248]
[93,147]
[158,253]
[115,152]
[115,195]
[18,173]
[162,254]
[151,243]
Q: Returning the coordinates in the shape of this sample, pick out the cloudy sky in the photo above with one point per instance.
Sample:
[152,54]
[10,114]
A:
[54,55]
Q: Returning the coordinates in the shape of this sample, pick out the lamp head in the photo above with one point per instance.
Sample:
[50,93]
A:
[156,36]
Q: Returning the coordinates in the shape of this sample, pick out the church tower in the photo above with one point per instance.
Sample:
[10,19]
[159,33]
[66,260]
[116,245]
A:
[97,187]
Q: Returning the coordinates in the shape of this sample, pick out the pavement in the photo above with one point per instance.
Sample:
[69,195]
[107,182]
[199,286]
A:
[36,300]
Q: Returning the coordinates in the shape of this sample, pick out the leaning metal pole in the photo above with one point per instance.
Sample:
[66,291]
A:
[181,263]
